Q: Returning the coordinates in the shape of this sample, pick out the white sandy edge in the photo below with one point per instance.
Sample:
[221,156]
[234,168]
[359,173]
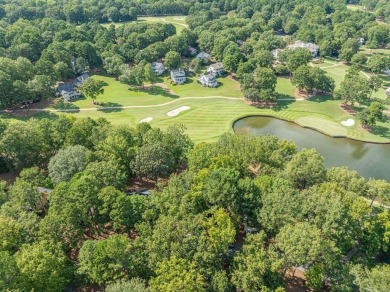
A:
[177,111]
[348,123]
[146,120]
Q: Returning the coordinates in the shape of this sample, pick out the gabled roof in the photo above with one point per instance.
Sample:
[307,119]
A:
[177,73]
[82,78]
[217,66]
[158,65]
[66,87]
[209,76]
[203,55]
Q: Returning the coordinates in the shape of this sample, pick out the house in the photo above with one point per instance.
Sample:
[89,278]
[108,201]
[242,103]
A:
[81,79]
[388,92]
[158,68]
[69,90]
[203,56]
[361,41]
[208,79]
[313,48]
[178,76]
[387,71]
[216,68]
[192,50]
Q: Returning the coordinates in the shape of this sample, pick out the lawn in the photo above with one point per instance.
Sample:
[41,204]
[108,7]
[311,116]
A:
[212,111]
[179,21]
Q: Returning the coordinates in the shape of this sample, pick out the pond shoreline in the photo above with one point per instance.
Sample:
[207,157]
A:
[305,127]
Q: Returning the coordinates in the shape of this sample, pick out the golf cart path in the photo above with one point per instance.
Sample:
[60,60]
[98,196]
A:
[123,107]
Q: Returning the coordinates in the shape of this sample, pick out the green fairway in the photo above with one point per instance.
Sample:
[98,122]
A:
[212,111]
[179,21]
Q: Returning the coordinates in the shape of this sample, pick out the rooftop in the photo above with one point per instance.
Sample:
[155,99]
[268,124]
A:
[178,72]
[203,55]
[209,75]
[217,66]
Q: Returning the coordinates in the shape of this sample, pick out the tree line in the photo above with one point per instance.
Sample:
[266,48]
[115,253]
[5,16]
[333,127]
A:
[243,212]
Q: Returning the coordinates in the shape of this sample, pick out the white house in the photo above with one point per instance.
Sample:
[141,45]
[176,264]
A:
[313,48]
[203,56]
[208,79]
[216,68]
[158,68]
[178,76]
[388,92]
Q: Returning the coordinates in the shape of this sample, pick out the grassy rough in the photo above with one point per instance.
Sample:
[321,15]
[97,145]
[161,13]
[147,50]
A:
[214,110]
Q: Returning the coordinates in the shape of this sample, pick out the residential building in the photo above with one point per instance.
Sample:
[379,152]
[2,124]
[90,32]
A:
[388,92]
[158,68]
[203,56]
[192,50]
[313,48]
[208,79]
[216,68]
[69,90]
[81,79]
[178,76]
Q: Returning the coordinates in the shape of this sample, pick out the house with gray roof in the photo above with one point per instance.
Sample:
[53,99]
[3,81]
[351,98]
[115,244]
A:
[208,80]
[203,56]
[216,68]
[178,76]
[69,90]
[158,68]
[313,48]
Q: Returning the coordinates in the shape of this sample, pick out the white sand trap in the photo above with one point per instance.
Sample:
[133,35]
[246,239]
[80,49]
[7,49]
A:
[177,111]
[348,123]
[146,120]
[178,18]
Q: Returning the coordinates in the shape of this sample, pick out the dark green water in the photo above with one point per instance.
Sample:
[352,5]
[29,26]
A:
[369,160]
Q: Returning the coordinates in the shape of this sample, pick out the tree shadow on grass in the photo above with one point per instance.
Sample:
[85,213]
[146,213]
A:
[66,106]
[154,90]
[320,98]
[110,107]
[283,101]
[381,131]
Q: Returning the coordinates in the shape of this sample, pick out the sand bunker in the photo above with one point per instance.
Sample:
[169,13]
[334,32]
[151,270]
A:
[348,123]
[177,111]
[146,120]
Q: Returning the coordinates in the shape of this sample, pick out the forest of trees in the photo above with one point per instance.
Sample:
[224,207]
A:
[39,49]
[234,215]
[189,233]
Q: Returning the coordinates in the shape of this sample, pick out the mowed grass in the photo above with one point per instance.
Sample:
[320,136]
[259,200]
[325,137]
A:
[179,21]
[209,118]
[213,110]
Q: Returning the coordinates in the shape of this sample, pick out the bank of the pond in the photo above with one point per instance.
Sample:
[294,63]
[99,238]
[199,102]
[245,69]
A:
[237,119]
[368,159]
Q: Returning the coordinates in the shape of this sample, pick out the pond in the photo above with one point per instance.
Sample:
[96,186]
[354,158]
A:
[369,160]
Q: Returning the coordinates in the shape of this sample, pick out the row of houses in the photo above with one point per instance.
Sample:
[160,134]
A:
[178,76]
[69,90]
